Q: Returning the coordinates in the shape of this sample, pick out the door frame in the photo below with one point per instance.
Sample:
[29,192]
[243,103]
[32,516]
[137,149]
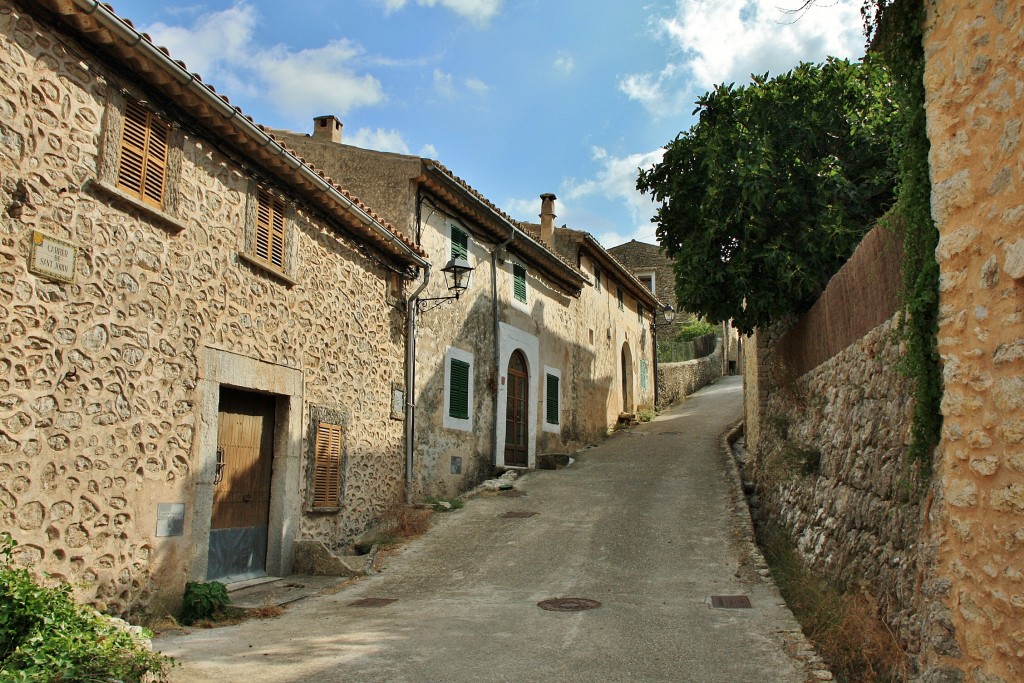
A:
[217,368]
[511,339]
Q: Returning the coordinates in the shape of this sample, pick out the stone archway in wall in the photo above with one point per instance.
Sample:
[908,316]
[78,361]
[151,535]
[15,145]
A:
[627,378]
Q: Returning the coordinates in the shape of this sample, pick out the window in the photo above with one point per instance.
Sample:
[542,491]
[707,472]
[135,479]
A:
[619,298]
[460,243]
[643,374]
[268,245]
[458,396]
[597,278]
[519,283]
[552,400]
[327,467]
[639,313]
[143,154]
[647,280]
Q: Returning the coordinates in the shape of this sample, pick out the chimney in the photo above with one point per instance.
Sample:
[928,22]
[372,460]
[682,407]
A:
[327,129]
[547,220]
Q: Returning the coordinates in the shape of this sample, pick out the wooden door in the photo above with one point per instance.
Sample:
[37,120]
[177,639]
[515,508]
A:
[241,495]
[627,380]
[516,452]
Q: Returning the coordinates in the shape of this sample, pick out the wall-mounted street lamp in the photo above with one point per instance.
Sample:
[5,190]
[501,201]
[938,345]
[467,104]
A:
[669,313]
[457,274]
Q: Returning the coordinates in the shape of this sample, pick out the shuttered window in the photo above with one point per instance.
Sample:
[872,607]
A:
[640,314]
[458,390]
[519,282]
[597,279]
[618,295]
[460,243]
[551,402]
[143,161]
[643,375]
[327,466]
[268,245]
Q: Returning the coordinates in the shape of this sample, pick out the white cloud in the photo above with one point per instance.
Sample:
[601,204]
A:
[478,11]
[378,139]
[221,47]
[477,86]
[428,151]
[564,63]
[723,41]
[447,88]
[616,180]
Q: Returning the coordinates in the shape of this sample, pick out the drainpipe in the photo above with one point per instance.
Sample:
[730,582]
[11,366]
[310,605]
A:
[497,348]
[410,379]
[654,345]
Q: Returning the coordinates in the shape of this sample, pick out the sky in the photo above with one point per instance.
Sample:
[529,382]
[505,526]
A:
[517,97]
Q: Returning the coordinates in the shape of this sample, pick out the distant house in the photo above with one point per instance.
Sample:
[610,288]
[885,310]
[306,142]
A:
[203,337]
[517,367]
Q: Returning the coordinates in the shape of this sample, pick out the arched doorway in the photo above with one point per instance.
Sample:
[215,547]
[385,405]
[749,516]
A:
[516,447]
[627,379]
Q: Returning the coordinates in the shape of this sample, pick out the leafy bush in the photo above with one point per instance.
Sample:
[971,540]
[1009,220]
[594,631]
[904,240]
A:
[46,636]
[693,329]
[203,600]
[645,414]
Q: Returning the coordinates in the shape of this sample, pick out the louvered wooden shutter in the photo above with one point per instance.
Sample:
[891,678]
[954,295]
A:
[643,374]
[269,242]
[458,390]
[460,243]
[327,466]
[519,282]
[552,400]
[143,165]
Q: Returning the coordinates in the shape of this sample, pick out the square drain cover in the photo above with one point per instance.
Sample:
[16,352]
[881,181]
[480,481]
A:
[372,602]
[731,601]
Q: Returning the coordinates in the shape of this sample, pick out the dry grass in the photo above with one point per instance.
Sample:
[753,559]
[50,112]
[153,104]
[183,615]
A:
[845,627]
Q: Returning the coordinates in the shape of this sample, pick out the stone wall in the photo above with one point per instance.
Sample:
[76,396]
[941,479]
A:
[101,380]
[676,381]
[829,468]
[974,81]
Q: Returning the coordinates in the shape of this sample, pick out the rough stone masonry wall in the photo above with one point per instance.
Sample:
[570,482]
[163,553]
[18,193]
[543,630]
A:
[676,381]
[830,469]
[98,379]
[974,81]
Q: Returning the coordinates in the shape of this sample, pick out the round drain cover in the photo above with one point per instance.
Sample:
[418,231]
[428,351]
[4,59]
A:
[568,604]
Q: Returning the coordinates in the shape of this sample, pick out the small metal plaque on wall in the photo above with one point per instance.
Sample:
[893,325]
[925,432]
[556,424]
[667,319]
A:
[170,519]
[52,258]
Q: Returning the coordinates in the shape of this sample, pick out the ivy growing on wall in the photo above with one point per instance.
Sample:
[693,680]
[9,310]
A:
[895,30]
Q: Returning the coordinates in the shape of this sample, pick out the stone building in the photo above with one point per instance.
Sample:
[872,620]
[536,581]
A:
[202,336]
[510,347]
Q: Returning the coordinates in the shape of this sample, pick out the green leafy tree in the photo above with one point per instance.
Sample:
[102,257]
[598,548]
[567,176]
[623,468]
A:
[767,195]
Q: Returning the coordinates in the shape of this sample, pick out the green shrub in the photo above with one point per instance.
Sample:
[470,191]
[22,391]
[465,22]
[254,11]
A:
[693,329]
[46,636]
[203,600]
[645,414]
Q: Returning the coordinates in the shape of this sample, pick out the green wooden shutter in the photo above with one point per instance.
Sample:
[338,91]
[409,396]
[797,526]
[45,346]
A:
[643,375]
[618,295]
[597,279]
[519,282]
[640,314]
[552,399]
[458,390]
[460,243]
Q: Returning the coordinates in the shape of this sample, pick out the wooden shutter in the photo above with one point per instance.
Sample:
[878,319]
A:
[597,279]
[458,390]
[269,238]
[618,295]
[643,374]
[460,243]
[519,282]
[327,466]
[143,166]
[551,404]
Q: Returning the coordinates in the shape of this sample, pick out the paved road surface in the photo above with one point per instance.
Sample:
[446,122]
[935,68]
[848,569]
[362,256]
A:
[643,523]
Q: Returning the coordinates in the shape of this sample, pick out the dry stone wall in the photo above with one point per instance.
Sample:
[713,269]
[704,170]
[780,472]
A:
[98,379]
[676,381]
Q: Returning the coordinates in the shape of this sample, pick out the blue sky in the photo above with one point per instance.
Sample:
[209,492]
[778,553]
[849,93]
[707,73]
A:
[518,97]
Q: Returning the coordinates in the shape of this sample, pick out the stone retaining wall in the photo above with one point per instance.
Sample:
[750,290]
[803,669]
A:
[676,381]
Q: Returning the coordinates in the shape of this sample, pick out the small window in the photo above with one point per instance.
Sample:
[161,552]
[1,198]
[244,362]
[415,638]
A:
[551,402]
[458,390]
[647,280]
[639,313]
[143,155]
[619,297]
[597,278]
[327,467]
[519,282]
[268,245]
[460,243]
[643,375]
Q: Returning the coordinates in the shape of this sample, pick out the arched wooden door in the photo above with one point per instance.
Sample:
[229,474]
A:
[627,379]
[516,432]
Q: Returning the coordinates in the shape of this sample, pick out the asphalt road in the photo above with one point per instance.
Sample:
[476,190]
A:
[645,523]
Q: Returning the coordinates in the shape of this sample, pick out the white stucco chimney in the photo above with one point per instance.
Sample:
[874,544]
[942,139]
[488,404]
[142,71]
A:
[547,219]
[327,129]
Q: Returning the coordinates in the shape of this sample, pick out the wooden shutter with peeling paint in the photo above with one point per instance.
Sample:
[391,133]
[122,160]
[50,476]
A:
[268,245]
[327,467]
[143,165]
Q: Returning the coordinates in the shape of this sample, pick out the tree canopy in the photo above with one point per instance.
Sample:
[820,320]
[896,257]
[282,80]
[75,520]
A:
[767,195]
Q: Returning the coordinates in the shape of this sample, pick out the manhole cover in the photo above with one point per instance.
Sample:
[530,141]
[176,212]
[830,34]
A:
[731,601]
[512,493]
[568,604]
[517,514]
[372,602]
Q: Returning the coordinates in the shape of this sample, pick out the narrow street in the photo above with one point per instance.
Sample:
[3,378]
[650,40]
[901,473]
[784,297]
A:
[645,523]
